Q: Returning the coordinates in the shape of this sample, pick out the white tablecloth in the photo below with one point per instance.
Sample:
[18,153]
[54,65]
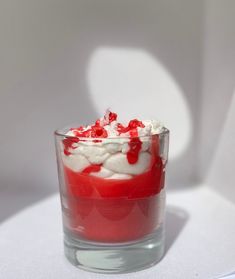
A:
[200,241]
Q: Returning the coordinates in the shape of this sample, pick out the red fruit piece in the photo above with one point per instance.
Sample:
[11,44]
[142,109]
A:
[122,129]
[134,123]
[80,133]
[112,117]
[109,117]
[98,132]
[132,127]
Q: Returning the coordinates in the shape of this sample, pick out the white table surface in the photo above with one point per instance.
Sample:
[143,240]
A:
[200,241]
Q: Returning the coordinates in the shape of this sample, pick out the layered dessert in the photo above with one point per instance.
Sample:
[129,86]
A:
[114,179]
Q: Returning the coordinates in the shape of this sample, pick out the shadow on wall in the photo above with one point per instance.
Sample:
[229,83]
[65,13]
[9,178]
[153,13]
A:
[44,84]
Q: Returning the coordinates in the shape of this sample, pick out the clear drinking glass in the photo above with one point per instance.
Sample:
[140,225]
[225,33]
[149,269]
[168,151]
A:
[112,224]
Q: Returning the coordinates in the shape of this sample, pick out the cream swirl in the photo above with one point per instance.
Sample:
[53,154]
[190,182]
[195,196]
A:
[108,143]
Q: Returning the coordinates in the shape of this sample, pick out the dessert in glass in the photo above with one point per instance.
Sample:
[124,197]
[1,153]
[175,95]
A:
[111,178]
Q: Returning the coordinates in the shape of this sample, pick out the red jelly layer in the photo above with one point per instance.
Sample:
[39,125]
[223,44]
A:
[112,210]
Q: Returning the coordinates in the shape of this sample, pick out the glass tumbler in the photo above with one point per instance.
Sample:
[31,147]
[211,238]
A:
[113,203]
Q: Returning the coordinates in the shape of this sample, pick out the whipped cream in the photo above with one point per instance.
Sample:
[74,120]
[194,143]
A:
[120,150]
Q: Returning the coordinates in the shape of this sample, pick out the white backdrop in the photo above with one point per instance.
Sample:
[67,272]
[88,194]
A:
[217,145]
[65,61]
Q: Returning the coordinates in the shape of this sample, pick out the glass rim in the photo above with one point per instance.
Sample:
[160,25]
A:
[59,132]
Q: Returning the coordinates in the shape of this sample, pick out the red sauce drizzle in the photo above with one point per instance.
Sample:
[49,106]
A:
[92,168]
[68,143]
[133,153]
[134,143]
[98,131]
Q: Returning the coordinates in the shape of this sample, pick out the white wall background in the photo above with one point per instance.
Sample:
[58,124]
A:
[62,61]
[217,145]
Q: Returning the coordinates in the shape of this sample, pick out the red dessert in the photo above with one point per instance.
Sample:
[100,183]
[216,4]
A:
[106,209]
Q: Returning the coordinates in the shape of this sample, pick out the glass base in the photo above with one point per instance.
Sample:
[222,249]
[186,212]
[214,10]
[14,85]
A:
[115,258]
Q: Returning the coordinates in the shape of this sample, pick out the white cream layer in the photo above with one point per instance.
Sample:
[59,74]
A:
[111,153]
